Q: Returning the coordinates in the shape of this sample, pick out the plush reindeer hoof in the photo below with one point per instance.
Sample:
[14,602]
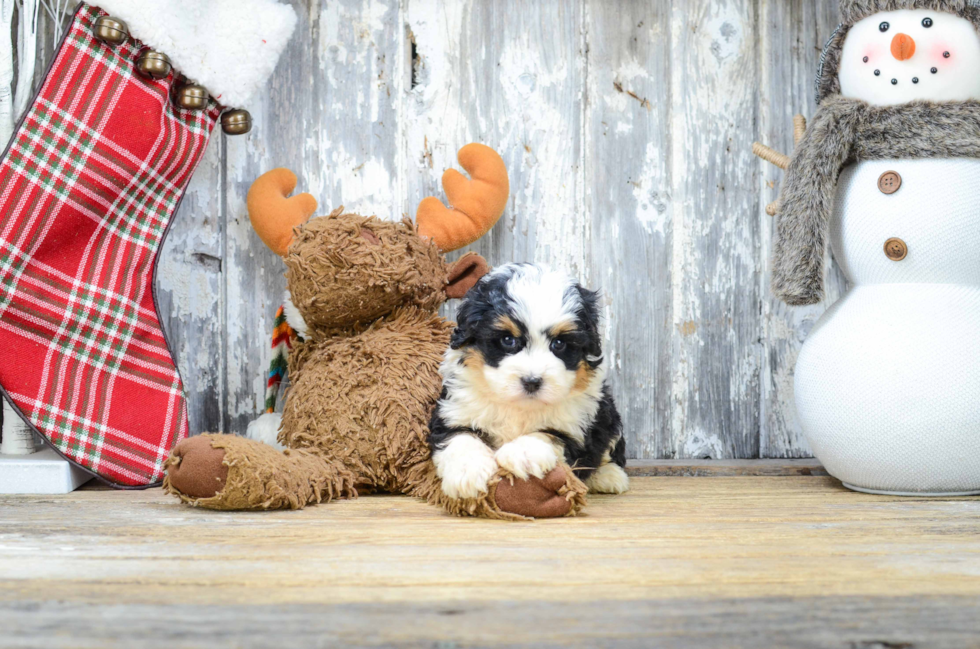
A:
[196,469]
[536,497]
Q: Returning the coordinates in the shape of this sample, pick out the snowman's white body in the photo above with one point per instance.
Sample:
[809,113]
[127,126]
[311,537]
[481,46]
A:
[888,382]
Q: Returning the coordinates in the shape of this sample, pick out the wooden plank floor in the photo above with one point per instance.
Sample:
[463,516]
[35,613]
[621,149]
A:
[678,562]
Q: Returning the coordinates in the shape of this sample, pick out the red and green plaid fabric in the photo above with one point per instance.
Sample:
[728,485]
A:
[88,187]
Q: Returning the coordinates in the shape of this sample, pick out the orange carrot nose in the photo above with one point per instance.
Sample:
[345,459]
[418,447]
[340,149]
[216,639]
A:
[903,47]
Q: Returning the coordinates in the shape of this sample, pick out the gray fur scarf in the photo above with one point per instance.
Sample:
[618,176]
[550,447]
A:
[842,132]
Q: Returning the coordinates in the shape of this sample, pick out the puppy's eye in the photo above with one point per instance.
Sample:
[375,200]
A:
[927,22]
[884,27]
[558,345]
[508,342]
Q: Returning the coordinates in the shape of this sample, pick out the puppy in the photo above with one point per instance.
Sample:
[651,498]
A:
[524,383]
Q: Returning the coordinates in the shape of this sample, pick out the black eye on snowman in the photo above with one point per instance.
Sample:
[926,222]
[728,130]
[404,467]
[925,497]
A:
[927,22]
[884,27]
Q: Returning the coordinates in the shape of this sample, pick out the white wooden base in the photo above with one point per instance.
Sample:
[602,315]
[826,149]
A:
[44,472]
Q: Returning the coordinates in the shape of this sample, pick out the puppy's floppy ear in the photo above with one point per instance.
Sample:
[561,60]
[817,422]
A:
[462,335]
[589,318]
[465,273]
[468,318]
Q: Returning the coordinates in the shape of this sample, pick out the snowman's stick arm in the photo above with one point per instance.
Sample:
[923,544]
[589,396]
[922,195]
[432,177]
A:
[778,159]
[771,155]
[799,129]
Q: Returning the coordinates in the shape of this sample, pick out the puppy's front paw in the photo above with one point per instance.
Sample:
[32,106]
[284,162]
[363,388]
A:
[609,479]
[465,466]
[530,455]
[468,479]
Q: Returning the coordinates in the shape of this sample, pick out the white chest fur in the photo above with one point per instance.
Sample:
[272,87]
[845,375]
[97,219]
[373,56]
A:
[506,422]
[935,212]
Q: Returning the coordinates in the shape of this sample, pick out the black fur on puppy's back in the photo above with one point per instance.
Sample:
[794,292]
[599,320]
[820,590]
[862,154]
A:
[605,434]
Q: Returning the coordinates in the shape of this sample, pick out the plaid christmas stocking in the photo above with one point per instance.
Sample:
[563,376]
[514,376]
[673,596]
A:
[88,188]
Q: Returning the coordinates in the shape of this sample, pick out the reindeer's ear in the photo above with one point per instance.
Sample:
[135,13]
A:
[464,274]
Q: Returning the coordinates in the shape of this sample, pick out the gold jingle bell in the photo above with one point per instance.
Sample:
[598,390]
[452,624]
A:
[153,65]
[192,97]
[236,122]
[110,31]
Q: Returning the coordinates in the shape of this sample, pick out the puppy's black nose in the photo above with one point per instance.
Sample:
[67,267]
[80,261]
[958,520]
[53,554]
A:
[532,383]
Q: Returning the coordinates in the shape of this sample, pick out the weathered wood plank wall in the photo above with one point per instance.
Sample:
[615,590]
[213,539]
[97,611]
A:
[626,126]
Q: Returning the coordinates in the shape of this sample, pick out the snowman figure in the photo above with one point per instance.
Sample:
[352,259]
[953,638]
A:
[887,385]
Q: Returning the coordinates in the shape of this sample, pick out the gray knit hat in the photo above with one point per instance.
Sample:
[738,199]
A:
[854,10]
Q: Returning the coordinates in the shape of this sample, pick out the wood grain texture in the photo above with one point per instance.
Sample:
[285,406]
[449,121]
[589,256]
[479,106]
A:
[509,74]
[792,35]
[188,289]
[628,202]
[859,622]
[626,127]
[715,248]
[725,468]
[791,561]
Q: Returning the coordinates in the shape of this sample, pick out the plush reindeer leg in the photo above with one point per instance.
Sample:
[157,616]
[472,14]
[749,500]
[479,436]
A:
[558,494]
[233,473]
[509,498]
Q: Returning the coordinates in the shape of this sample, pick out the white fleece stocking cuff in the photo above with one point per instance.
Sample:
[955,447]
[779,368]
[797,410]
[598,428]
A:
[228,46]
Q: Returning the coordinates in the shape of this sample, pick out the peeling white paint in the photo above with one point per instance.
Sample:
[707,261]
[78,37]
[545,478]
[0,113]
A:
[651,204]
[700,444]
[516,76]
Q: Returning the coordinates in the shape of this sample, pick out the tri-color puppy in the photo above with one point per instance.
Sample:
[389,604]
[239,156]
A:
[524,382]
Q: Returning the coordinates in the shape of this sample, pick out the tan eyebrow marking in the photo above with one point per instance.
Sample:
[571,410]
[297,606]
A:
[507,323]
[563,328]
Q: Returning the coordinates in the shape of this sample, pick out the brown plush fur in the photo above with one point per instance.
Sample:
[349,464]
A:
[260,477]
[339,277]
[363,384]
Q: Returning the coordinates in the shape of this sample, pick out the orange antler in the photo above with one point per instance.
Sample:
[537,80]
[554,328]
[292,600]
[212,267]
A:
[477,203]
[273,215]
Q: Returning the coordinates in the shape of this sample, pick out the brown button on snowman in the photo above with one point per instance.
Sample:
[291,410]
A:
[889,182]
[887,385]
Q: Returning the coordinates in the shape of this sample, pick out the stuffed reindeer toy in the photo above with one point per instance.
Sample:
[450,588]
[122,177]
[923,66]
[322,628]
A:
[362,299]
